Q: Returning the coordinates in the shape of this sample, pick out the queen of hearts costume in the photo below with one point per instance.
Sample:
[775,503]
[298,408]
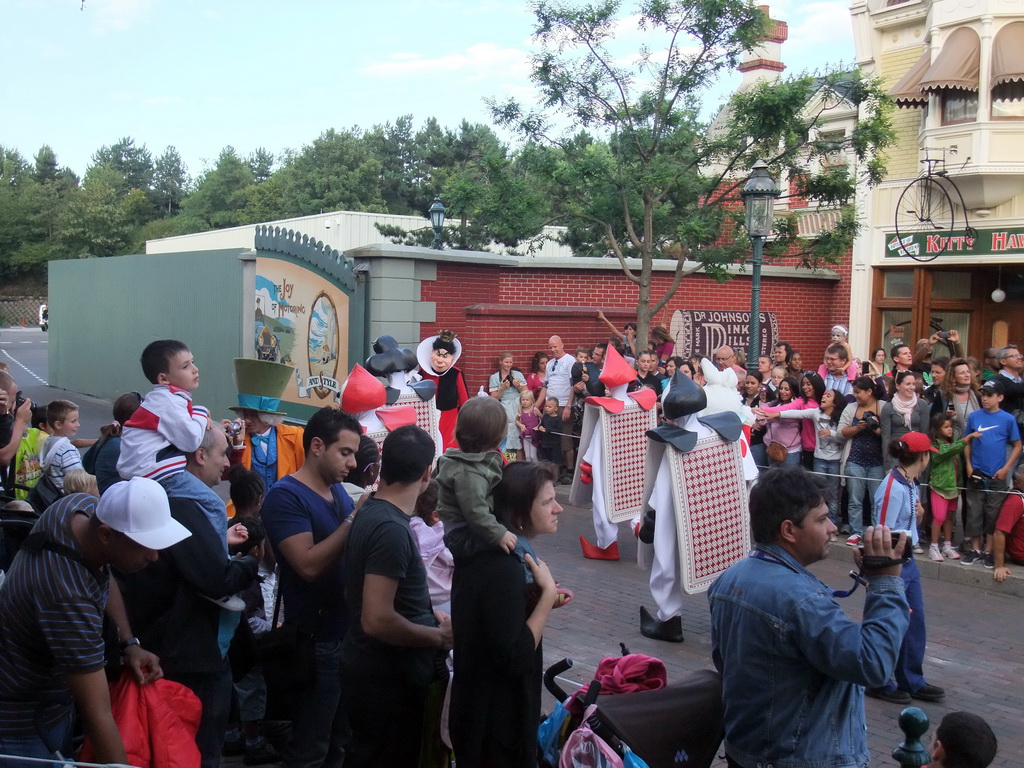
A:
[437,356]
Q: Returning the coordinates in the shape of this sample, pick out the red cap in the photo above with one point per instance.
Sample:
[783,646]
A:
[918,443]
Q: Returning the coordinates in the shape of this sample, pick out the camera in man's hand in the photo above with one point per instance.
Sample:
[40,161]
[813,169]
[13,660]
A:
[903,557]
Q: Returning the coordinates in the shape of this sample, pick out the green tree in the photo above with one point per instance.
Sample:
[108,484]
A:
[490,196]
[396,150]
[45,165]
[219,197]
[261,163]
[31,201]
[170,181]
[135,164]
[338,171]
[95,222]
[633,169]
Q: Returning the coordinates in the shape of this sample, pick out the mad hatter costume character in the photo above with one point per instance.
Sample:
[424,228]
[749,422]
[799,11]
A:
[437,356]
[612,471]
[271,447]
[697,521]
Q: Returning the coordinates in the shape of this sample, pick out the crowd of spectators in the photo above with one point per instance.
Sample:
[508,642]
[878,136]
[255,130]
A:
[385,584]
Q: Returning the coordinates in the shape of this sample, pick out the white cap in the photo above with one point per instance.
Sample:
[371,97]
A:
[138,508]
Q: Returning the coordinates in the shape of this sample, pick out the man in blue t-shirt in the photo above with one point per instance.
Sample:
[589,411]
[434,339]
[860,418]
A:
[308,517]
[989,460]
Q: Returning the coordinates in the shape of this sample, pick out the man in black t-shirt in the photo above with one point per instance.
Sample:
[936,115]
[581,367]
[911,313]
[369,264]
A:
[394,636]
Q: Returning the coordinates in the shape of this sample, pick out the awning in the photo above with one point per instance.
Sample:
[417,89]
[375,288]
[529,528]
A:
[1008,54]
[907,92]
[958,65]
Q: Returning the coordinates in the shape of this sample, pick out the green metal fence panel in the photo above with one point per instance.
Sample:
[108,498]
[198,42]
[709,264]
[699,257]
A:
[103,312]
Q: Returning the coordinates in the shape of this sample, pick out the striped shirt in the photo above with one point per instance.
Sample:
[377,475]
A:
[58,457]
[51,624]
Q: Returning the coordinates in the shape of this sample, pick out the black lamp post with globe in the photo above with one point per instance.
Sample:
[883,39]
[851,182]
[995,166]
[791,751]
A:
[437,222]
[759,195]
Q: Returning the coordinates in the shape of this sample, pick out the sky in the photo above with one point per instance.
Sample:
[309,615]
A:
[203,74]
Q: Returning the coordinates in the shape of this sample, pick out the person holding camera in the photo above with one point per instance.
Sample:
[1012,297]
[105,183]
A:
[793,663]
[505,386]
[898,507]
[861,428]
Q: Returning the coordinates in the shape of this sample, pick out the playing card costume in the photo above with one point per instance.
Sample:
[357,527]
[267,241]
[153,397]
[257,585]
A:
[437,356]
[381,409]
[612,471]
[697,523]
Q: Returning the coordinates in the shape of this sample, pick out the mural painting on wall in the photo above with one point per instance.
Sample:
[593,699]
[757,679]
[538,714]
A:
[702,331]
[302,319]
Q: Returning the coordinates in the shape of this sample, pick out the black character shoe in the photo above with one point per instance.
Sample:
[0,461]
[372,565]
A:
[646,532]
[670,631]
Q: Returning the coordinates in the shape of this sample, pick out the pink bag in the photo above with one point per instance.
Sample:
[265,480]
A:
[585,749]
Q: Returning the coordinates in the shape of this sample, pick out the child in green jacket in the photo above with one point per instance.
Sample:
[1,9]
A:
[944,481]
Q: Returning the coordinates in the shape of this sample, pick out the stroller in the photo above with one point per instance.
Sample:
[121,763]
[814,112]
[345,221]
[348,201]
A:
[680,725]
[16,521]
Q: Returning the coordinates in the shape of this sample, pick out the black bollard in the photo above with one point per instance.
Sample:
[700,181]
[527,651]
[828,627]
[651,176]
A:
[911,753]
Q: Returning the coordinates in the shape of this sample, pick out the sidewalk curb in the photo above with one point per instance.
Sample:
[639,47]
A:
[974,576]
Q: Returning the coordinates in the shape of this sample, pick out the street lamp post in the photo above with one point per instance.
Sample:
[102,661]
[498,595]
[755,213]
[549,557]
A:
[437,222]
[759,195]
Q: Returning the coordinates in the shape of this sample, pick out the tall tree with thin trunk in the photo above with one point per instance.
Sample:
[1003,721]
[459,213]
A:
[638,175]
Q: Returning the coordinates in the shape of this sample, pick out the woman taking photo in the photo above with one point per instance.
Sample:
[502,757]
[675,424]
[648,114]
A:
[498,619]
[860,427]
[958,395]
[505,386]
[898,507]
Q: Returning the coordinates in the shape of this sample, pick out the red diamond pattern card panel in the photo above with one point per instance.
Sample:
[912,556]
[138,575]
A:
[712,523]
[625,443]
[426,419]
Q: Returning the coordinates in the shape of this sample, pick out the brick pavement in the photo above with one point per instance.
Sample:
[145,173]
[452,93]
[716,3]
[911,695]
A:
[975,649]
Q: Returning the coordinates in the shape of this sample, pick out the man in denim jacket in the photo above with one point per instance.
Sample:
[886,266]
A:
[793,665]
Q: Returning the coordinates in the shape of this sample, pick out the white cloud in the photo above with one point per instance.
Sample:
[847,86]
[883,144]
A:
[476,62]
[159,101]
[117,15]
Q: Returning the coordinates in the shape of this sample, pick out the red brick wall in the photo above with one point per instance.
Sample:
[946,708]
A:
[493,309]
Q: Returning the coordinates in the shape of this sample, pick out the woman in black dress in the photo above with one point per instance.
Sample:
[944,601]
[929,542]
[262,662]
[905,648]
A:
[500,606]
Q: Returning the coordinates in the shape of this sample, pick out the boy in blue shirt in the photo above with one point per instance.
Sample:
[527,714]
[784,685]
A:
[988,465]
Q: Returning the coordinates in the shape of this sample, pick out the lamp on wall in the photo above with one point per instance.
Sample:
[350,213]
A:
[759,195]
[999,295]
[437,222]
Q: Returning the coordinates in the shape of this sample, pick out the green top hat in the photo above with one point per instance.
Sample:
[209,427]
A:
[260,384]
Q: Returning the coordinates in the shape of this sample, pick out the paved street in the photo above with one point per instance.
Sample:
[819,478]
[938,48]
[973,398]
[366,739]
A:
[25,352]
[975,631]
[975,648]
